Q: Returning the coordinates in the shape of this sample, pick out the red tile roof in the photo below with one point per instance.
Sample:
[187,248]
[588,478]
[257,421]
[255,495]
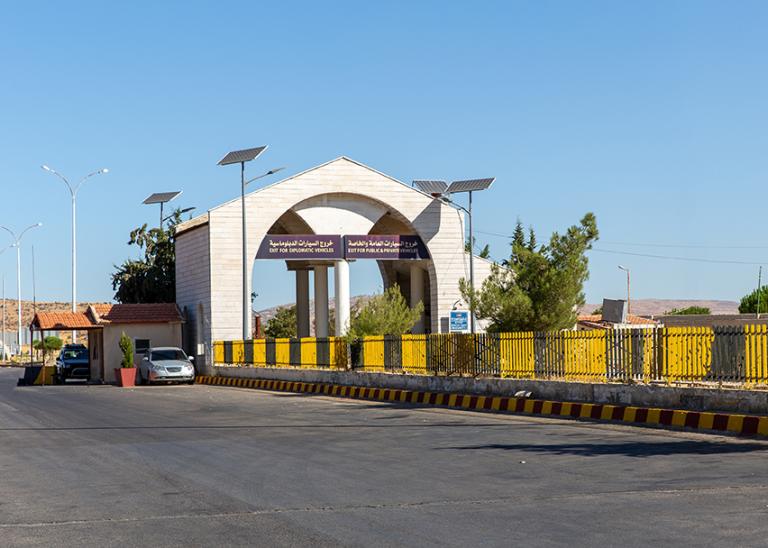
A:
[62,321]
[136,313]
[595,321]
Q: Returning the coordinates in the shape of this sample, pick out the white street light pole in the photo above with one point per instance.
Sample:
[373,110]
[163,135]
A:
[17,245]
[2,330]
[73,192]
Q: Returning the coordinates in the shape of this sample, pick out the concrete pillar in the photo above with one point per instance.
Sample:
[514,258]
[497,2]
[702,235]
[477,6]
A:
[321,301]
[341,271]
[417,294]
[302,303]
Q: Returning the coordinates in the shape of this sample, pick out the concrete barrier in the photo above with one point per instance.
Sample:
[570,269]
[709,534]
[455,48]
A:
[749,425]
[642,395]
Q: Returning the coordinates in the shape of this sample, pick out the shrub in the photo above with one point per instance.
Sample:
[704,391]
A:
[126,346]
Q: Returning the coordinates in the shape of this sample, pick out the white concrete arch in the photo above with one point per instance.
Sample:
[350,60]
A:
[209,247]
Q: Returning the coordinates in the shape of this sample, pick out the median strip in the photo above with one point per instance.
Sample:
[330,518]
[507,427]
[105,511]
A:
[747,425]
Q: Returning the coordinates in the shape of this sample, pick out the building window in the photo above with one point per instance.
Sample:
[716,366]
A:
[141,345]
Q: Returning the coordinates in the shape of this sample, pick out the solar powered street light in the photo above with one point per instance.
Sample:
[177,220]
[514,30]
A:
[435,188]
[442,191]
[181,212]
[241,157]
[162,198]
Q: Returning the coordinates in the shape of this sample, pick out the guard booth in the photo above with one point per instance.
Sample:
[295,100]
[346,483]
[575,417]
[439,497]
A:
[44,322]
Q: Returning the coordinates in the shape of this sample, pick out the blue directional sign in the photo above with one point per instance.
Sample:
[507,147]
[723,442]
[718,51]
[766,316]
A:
[459,321]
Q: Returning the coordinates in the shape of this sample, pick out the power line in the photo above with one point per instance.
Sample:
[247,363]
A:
[696,246]
[666,257]
[639,244]
[675,258]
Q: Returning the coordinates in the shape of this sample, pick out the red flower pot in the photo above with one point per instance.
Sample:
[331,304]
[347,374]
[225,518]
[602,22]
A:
[126,376]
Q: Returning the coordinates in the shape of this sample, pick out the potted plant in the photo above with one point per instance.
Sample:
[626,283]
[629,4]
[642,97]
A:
[126,373]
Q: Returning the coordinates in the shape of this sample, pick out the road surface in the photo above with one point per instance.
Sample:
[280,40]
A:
[212,466]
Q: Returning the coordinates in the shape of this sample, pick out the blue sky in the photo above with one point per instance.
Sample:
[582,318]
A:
[650,114]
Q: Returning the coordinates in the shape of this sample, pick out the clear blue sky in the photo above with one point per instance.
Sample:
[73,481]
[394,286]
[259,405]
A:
[653,115]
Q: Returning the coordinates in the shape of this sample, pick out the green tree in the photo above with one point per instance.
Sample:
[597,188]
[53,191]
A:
[282,324]
[385,314]
[483,253]
[151,279]
[540,287]
[598,311]
[126,347]
[748,303]
[48,344]
[688,311]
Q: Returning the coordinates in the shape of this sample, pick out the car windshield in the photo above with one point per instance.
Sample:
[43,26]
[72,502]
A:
[76,354]
[170,354]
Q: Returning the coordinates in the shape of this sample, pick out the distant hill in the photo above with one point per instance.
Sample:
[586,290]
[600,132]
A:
[657,307]
[28,311]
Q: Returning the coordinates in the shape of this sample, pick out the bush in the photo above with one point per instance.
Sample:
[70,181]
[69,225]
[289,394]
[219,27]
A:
[385,314]
[688,311]
[126,346]
[283,324]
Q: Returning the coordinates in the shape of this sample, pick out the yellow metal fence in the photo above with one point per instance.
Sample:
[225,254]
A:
[677,354]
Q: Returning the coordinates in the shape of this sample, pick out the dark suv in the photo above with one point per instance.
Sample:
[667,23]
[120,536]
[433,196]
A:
[73,363]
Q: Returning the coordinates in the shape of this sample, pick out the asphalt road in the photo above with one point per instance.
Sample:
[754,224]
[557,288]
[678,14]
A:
[214,466]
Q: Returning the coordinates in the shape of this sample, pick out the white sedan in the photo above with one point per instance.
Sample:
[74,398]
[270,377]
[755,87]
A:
[165,364]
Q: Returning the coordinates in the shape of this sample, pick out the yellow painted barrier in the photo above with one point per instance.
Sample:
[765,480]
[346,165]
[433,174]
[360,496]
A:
[282,352]
[308,352]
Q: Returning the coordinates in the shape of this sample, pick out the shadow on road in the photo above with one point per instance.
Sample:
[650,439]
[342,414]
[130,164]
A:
[629,449]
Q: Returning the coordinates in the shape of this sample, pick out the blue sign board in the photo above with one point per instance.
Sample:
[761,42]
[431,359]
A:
[458,321]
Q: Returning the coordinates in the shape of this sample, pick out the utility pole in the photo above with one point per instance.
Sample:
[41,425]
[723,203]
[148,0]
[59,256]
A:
[629,304]
[5,355]
[759,285]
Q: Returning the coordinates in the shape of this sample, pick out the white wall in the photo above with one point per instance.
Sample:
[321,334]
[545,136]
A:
[193,282]
[159,334]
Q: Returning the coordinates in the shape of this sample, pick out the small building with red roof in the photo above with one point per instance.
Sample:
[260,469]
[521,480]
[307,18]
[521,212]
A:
[148,325]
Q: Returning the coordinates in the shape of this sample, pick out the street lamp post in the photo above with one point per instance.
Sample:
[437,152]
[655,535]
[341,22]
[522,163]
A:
[629,304]
[162,198]
[2,331]
[181,212]
[73,193]
[17,245]
[241,157]
[441,190]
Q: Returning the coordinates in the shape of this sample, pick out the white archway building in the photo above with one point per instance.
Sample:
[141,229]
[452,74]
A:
[341,197]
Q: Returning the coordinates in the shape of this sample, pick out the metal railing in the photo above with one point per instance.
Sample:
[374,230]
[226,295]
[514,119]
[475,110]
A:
[734,355]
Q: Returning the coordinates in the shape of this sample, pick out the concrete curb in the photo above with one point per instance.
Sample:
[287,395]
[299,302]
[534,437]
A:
[746,425]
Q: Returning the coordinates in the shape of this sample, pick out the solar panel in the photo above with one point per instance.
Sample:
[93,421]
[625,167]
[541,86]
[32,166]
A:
[237,156]
[162,197]
[431,187]
[470,185]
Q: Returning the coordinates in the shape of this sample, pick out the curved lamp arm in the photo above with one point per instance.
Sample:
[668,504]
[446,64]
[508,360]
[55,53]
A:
[30,227]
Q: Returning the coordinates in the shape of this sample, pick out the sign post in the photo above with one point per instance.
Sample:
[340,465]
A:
[458,321]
